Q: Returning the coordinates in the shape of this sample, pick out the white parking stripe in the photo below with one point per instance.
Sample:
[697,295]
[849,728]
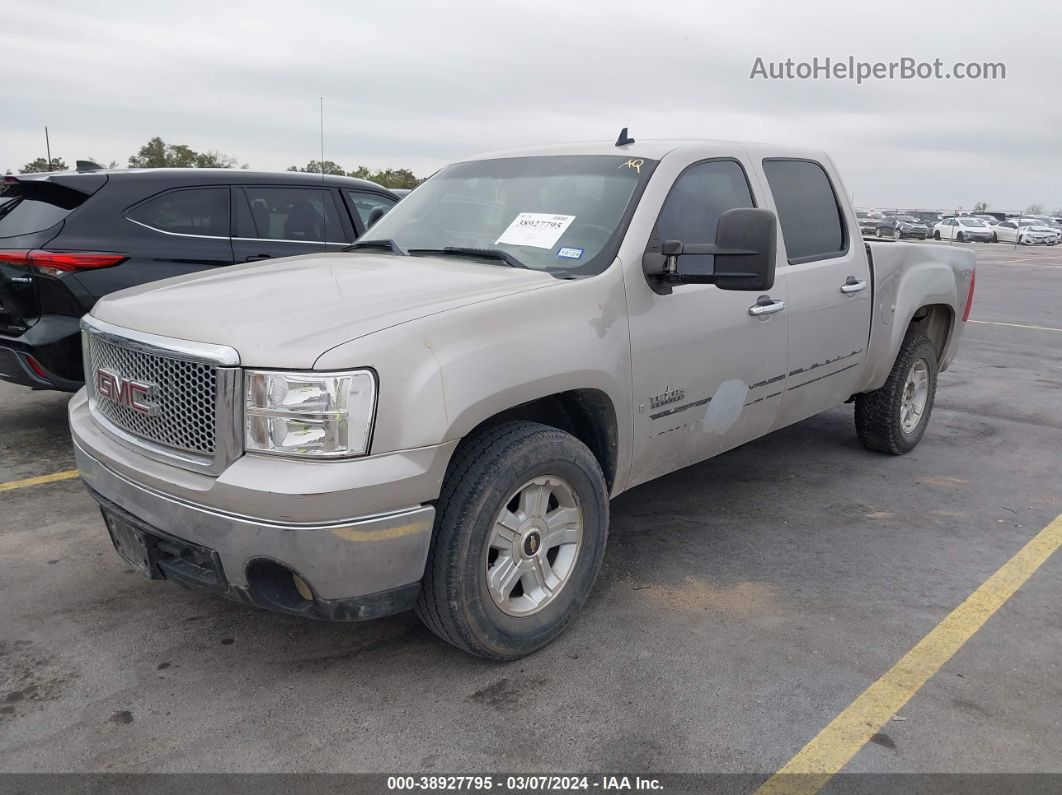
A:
[1014,325]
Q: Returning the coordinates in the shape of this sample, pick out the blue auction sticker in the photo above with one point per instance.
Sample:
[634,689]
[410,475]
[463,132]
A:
[570,253]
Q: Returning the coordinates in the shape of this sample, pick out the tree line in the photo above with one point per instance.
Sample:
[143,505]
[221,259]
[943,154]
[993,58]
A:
[156,153]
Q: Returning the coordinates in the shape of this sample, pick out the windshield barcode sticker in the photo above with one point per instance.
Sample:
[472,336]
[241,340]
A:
[541,230]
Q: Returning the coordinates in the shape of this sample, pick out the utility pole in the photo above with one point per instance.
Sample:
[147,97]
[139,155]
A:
[48,146]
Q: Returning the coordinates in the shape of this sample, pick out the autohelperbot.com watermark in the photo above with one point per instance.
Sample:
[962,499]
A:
[851,68]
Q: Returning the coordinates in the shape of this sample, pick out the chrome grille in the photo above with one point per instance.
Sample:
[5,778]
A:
[184,391]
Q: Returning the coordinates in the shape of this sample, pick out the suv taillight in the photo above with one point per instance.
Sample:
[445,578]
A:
[57,262]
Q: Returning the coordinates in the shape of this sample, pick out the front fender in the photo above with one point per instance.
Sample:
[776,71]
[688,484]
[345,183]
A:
[441,376]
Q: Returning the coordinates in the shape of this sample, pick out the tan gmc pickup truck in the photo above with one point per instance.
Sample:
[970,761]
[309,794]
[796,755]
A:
[437,418]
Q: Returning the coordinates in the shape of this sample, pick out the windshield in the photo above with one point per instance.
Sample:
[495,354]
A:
[563,214]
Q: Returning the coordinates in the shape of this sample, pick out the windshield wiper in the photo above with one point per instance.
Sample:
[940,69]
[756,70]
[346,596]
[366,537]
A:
[462,251]
[388,244]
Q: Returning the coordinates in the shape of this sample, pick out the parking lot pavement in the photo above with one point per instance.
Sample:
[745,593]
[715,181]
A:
[745,602]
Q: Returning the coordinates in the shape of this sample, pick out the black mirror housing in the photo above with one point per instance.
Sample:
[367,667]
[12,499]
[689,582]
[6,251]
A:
[752,230]
[746,244]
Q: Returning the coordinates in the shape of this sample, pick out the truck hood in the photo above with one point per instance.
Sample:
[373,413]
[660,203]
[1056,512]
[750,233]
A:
[287,313]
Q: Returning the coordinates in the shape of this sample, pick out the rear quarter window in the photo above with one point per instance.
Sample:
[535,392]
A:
[808,210]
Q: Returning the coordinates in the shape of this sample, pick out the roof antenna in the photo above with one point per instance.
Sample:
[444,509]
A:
[624,139]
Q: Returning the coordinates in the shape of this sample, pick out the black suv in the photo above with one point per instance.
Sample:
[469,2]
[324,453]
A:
[66,239]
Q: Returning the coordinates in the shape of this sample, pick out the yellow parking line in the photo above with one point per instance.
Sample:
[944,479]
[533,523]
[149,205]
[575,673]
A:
[1014,325]
[21,484]
[834,746]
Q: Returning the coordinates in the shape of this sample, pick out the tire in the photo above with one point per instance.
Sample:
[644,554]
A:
[960,237]
[995,238]
[879,414]
[936,234]
[489,472]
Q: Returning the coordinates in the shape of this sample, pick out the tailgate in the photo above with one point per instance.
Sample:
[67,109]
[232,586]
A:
[32,213]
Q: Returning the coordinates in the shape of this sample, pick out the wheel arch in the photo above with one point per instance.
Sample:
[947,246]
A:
[588,414]
[936,321]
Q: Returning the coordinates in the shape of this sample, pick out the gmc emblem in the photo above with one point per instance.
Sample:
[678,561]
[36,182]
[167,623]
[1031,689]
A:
[126,392]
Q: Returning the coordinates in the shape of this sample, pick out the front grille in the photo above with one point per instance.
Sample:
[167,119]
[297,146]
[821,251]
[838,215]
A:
[185,393]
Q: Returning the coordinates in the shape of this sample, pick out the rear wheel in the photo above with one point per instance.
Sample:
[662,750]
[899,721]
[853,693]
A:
[893,419]
[520,533]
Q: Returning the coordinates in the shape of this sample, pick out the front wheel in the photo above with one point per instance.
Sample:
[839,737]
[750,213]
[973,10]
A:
[893,419]
[961,237]
[520,533]
[936,234]
[995,238]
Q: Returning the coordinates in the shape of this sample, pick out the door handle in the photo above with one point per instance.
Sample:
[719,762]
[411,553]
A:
[257,257]
[766,306]
[853,285]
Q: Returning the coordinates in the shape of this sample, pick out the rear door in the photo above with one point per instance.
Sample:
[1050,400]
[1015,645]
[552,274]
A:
[828,284]
[285,220]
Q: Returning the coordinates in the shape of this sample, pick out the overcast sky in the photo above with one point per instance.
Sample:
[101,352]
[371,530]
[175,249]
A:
[419,84]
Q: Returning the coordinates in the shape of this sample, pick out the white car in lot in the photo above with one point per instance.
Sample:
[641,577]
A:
[1024,231]
[964,229]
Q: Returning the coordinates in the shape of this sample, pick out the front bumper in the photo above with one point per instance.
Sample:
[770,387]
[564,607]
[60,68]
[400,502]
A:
[356,568]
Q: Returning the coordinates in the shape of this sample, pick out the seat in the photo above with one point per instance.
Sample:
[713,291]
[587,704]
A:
[304,222]
[260,212]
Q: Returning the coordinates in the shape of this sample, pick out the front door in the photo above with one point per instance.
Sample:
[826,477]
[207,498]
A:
[708,375]
[282,221]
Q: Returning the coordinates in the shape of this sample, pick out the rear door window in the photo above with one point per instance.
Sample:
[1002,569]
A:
[308,215]
[808,210]
[185,211]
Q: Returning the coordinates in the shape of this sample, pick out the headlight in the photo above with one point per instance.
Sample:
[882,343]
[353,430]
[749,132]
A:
[318,415]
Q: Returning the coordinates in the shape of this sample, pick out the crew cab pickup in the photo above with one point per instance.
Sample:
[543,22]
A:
[437,418]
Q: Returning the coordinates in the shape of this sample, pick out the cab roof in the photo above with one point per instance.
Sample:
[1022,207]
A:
[650,149]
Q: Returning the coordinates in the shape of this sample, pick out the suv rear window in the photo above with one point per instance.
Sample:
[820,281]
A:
[808,210]
[186,211]
[22,216]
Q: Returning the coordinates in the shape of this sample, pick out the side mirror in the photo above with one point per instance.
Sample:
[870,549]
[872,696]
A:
[746,242]
[375,214]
